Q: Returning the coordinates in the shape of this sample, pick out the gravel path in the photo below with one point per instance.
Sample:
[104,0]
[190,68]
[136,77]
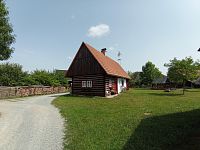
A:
[30,124]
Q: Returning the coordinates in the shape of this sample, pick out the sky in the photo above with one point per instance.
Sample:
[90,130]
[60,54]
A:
[49,32]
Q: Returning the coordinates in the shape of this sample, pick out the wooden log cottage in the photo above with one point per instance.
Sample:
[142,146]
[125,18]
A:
[93,73]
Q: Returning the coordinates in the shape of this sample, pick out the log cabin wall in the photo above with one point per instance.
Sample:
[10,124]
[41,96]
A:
[98,85]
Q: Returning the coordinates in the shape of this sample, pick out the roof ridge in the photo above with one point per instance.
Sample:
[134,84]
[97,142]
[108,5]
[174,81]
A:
[110,66]
[100,52]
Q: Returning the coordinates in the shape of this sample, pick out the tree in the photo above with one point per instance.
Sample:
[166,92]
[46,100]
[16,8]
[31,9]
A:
[11,74]
[180,71]
[135,80]
[6,36]
[60,76]
[44,77]
[149,73]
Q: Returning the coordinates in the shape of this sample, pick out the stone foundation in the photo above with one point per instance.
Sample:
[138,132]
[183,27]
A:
[22,91]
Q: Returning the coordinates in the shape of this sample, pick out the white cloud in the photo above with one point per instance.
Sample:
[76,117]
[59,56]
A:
[98,30]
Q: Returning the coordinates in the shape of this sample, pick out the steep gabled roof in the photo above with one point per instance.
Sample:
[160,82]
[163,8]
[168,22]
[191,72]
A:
[110,66]
[162,80]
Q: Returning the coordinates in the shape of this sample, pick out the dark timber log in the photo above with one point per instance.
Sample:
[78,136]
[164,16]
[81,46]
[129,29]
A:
[97,89]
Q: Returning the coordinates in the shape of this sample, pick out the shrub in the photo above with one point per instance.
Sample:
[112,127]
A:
[11,74]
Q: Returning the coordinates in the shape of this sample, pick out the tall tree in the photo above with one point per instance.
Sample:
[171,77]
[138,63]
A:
[6,36]
[149,73]
[135,80]
[180,71]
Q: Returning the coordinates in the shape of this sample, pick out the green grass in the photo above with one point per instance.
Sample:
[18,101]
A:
[137,119]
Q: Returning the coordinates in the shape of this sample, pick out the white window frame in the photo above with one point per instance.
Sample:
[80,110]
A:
[89,84]
[84,84]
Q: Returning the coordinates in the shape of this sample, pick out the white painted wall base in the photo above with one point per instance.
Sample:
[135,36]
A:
[121,84]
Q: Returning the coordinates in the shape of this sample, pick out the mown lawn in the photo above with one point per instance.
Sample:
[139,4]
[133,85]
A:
[137,119]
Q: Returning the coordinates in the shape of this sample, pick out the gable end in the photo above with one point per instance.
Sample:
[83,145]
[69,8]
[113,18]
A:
[84,63]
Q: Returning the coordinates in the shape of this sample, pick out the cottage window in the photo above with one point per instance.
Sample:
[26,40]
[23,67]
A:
[89,84]
[86,84]
[83,83]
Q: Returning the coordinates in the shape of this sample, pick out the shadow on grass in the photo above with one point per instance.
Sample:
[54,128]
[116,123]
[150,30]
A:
[164,132]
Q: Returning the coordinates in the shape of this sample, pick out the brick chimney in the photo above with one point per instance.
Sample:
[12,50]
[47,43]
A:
[103,50]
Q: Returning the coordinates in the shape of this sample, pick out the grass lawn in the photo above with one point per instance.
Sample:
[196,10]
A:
[137,119]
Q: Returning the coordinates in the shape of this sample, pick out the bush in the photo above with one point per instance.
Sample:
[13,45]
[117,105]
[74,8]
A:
[60,76]
[11,74]
[43,77]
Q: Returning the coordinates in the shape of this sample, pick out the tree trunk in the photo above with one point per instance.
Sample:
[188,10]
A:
[183,87]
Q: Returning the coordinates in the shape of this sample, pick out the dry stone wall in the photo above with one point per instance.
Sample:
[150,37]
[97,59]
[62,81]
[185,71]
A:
[22,91]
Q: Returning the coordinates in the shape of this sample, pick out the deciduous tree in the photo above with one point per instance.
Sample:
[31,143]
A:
[135,80]
[6,36]
[11,74]
[43,77]
[149,73]
[180,71]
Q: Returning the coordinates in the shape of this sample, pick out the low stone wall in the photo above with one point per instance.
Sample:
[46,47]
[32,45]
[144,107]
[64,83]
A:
[22,91]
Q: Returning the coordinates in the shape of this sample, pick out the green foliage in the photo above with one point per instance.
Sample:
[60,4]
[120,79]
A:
[135,80]
[60,76]
[11,74]
[44,77]
[183,70]
[6,36]
[28,80]
[149,73]
[180,71]
[135,120]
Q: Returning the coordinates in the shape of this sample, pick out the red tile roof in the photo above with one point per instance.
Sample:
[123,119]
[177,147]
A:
[110,66]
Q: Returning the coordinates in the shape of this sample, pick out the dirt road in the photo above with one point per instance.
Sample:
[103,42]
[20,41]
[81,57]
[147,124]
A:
[30,123]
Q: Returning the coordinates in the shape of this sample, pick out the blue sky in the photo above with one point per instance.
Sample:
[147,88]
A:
[49,32]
